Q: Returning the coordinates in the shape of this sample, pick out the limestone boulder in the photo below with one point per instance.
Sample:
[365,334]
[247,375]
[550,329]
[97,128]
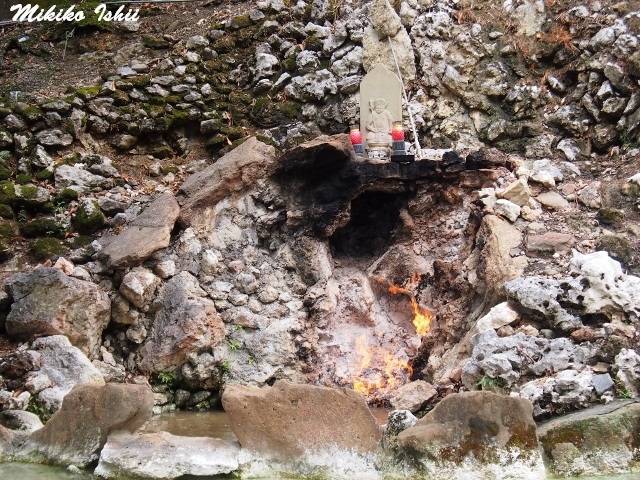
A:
[413,396]
[139,285]
[301,420]
[62,367]
[48,302]
[496,237]
[518,356]
[599,440]
[186,322]
[376,50]
[384,18]
[472,432]
[231,173]
[165,456]
[76,433]
[148,232]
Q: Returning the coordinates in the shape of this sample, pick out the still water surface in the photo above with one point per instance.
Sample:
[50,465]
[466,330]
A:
[189,424]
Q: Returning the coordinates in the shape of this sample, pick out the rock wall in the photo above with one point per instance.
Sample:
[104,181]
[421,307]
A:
[283,255]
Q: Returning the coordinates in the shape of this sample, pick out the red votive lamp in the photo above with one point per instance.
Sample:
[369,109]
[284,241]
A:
[356,140]
[397,132]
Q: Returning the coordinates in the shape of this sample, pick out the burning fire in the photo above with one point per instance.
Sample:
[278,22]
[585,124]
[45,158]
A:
[388,375]
[379,373]
[421,316]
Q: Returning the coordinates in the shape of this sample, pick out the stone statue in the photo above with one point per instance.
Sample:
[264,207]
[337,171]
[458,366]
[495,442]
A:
[379,122]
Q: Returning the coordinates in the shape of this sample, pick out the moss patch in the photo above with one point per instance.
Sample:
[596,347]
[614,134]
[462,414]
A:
[89,218]
[42,227]
[44,248]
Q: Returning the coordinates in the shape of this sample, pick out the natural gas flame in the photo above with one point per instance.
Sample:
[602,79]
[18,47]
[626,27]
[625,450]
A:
[421,316]
[387,376]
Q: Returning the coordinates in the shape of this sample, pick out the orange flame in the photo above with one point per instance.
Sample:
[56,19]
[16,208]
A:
[421,316]
[387,376]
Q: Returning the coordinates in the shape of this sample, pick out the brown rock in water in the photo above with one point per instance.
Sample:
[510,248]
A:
[289,420]
[148,232]
[601,439]
[476,427]
[232,173]
[90,412]
[48,302]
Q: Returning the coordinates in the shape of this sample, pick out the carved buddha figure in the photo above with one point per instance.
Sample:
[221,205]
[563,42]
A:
[379,123]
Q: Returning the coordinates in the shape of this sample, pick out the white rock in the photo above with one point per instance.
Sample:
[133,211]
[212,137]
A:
[499,316]
[165,456]
[138,286]
[507,209]
[65,366]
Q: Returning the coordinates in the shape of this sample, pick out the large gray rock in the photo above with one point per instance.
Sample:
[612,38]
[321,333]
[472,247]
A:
[231,173]
[165,456]
[476,435]
[79,178]
[186,322]
[540,295]
[384,18]
[48,302]
[62,367]
[600,440]
[148,232]
[377,50]
[511,358]
[76,433]
[313,86]
[302,420]
[495,266]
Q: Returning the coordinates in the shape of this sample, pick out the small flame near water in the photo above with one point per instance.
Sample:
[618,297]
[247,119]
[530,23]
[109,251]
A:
[378,371]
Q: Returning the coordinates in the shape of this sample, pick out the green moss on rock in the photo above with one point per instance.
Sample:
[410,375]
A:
[619,247]
[88,93]
[32,114]
[6,211]
[89,218]
[43,175]
[41,227]
[44,248]
[610,216]
[7,193]
[67,195]
[23,178]
[8,229]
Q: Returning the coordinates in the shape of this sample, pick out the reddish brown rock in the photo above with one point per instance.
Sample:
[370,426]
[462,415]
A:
[48,302]
[586,334]
[289,420]
[89,413]
[148,232]
[550,242]
[231,173]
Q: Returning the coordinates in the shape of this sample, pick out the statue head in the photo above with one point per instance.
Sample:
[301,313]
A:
[378,104]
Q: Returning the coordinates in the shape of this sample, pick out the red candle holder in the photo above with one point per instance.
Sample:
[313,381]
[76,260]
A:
[397,132]
[355,135]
